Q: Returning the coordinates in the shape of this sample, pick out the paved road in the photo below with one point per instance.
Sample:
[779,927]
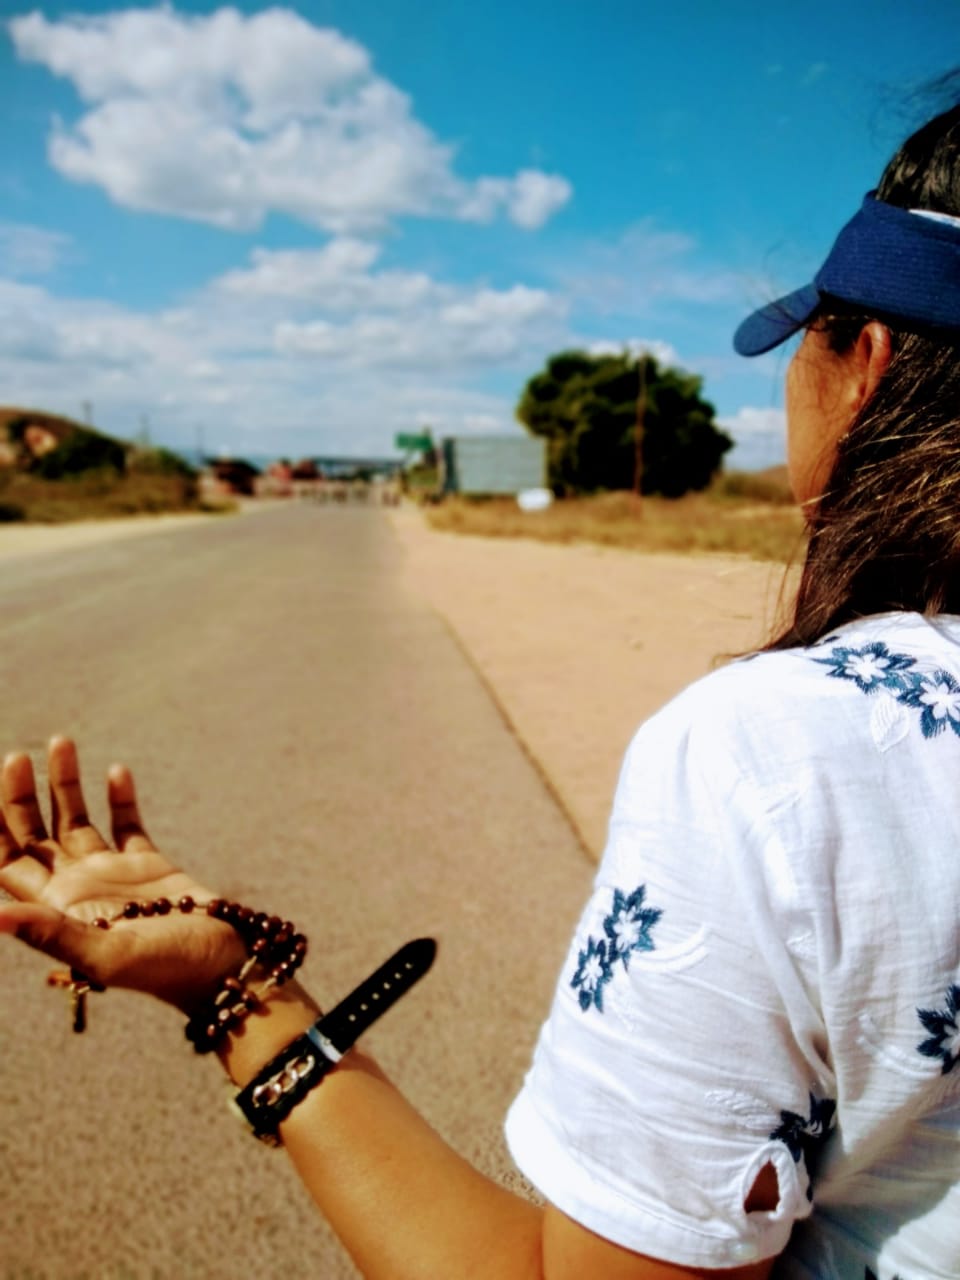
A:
[308,736]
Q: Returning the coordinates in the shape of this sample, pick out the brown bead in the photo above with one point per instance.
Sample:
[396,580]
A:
[131,910]
[244,916]
[233,984]
[251,999]
[101,923]
[259,947]
[148,908]
[186,904]
[215,907]
[163,906]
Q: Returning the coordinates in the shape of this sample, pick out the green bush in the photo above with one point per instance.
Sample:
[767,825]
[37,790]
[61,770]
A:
[78,452]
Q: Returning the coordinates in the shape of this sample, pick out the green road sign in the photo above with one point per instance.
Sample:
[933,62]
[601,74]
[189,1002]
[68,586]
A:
[422,443]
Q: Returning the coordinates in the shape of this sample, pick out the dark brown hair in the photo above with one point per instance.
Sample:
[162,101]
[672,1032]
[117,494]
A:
[885,534]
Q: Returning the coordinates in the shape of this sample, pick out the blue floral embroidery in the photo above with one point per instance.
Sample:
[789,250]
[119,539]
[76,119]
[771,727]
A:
[938,698]
[593,973]
[804,1136]
[870,668]
[944,1028]
[627,929]
[935,695]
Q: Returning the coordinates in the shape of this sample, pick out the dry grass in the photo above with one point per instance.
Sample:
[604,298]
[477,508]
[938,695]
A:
[717,521]
[92,495]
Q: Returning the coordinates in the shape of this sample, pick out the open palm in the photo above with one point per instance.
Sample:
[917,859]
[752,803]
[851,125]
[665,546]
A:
[66,878]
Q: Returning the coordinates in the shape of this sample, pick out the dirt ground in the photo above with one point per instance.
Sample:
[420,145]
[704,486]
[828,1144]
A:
[578,644]
[581,643]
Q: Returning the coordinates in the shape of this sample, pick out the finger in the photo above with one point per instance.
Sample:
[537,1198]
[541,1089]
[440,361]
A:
[23,876]
[8,846]
[21,810]
[24,872]
[72,827]
[126,824]
[45,929]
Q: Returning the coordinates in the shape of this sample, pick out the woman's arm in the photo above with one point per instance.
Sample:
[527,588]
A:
[405,1205]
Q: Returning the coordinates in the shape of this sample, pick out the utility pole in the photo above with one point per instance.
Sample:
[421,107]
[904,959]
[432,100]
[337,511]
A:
[88,412]
[638,435]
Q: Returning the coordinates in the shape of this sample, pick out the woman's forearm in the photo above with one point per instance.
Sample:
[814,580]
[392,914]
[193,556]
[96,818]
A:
[404,1204]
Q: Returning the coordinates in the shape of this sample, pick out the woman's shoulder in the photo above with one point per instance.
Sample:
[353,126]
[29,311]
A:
[827,697]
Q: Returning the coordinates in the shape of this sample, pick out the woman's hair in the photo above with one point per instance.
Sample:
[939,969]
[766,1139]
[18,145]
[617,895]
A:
[885,534]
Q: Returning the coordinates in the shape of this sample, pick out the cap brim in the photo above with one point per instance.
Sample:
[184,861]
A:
[776,322]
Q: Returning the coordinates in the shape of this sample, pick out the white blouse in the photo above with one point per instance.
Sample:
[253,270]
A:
[768,972]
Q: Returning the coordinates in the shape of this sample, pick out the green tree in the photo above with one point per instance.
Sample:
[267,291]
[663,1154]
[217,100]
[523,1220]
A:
[586,408]
[81,450]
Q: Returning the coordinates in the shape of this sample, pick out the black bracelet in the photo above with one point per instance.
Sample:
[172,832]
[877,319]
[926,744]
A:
[289,1076]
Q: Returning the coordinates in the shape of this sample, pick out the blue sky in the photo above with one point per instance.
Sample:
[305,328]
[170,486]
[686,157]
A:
[303,229]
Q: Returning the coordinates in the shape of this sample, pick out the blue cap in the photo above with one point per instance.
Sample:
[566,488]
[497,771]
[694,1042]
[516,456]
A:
[901,264]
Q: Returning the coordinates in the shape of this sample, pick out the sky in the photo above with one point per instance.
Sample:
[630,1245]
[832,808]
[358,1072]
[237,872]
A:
[300,230]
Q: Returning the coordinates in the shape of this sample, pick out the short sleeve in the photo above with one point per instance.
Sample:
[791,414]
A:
[682,1053]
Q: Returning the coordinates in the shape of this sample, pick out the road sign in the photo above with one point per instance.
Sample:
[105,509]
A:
[410,442]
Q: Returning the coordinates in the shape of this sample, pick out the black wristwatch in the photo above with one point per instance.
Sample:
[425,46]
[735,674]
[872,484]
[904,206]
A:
[288,1078]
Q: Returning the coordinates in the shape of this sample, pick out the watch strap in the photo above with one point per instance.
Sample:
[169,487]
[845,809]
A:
[289,1076]
[343,1025]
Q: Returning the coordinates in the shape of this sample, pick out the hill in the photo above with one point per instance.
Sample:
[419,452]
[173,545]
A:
[54,469]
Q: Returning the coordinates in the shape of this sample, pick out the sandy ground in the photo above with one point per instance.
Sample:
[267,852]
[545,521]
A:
[578,644]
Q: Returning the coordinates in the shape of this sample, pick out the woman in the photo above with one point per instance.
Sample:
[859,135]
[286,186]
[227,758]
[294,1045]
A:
[751,1063]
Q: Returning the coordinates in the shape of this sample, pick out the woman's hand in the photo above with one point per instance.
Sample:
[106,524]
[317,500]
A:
[65,879]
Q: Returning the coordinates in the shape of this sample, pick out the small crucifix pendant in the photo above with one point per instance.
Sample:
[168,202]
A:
[77,984]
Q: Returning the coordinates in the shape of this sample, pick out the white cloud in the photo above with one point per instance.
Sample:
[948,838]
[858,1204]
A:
[645,267]
[530,198]
[31,251]
[472,328]
[663,352]
[224,118]
[336,277]
[759,437]
[757,422]
[338,363]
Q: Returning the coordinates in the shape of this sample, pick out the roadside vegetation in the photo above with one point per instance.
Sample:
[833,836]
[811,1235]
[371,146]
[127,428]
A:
[55,470]
[740,514]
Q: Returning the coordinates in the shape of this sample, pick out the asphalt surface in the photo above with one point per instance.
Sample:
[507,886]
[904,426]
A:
[307,736]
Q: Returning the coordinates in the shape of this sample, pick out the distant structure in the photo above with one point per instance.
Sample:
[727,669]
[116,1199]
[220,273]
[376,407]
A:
[227,478]
[341,468]
[492,465]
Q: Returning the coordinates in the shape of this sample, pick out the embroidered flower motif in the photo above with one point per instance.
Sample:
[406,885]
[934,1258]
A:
[628,925]
[870,668]
[627,929]
[593,972]
[938,697]
[804,1136]
[944,1028]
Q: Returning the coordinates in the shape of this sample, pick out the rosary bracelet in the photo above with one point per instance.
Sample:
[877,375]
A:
[271,943]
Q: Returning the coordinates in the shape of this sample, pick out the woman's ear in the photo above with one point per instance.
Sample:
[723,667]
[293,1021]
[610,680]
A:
[870,357]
